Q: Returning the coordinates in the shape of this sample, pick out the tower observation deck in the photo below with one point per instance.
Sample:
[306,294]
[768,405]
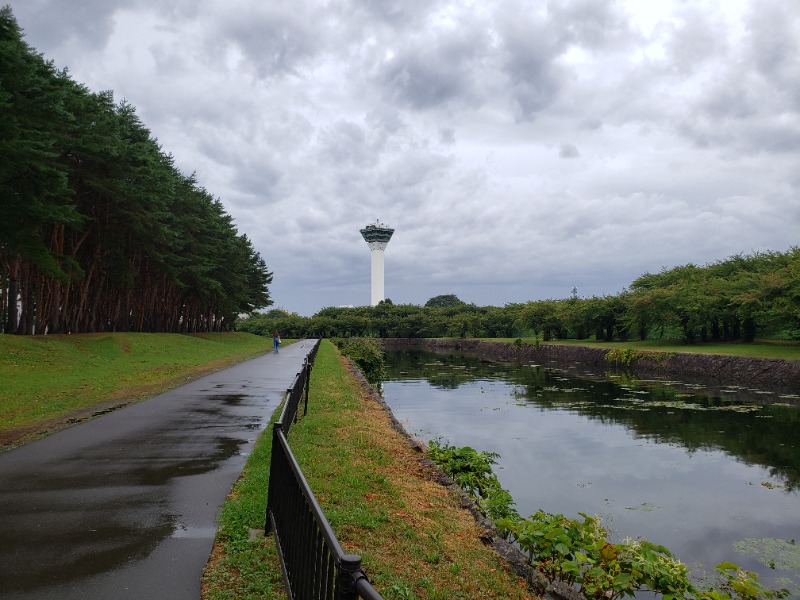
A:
[377,237]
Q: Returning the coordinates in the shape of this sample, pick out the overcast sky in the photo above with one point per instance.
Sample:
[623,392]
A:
[519,148]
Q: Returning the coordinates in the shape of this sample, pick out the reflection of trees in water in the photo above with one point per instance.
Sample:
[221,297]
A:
[444,371]
[740,424]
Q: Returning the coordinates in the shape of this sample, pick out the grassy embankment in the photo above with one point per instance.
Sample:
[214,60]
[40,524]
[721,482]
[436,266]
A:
[45,380]
[413,538]
[761,349]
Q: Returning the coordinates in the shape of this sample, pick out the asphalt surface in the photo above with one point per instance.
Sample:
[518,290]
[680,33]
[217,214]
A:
[125,505]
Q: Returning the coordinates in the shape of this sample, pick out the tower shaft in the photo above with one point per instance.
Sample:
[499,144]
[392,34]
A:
[377,276]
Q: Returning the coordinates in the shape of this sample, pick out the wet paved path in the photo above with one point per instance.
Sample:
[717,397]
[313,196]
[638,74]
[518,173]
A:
[124,506]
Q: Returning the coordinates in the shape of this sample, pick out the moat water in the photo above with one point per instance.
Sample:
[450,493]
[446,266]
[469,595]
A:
[712,473]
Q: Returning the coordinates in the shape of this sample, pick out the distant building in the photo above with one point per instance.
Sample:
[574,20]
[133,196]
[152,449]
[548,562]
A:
[377,237]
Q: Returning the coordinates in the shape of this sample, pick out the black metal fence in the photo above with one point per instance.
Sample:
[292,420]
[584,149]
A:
[313,562]
[296,393]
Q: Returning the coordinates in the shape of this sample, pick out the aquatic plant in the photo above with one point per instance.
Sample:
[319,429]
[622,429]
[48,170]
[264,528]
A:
[578,552]
[471,470]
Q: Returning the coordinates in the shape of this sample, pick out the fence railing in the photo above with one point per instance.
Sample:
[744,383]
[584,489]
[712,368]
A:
[297,392]
[312,560]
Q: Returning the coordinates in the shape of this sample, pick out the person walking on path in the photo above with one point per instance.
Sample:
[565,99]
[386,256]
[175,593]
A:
[276,340]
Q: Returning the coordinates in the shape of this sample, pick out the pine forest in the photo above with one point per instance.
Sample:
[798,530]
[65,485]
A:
[99,231]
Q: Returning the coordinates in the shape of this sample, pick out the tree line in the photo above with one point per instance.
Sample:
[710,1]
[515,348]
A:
[739,298]
[99,231]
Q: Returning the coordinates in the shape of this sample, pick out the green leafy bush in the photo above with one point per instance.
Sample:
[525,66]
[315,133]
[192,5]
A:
[623,356]
[368,356]
[470,469]
[472,472]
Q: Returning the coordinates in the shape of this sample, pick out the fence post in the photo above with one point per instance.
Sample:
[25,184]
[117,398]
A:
[308,385]
[288,407]
[296,404]
[272,485]
[349,567]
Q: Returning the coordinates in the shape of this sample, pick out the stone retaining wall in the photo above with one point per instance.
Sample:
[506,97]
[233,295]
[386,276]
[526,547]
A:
[763,373]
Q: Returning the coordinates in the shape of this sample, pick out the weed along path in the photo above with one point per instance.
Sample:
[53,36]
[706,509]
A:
[124,506]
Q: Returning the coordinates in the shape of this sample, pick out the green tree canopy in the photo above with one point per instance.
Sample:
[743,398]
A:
[444,301]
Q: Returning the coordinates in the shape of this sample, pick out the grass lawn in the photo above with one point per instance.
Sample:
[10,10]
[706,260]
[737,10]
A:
[47,378]
[758,349]
[414,539]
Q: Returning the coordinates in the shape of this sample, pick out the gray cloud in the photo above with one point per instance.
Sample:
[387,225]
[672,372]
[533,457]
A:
[276,38]
[451,122]
[429,71]
[773,43]
[346,144]
[88,23]
[568,151]
[395,13]
[531,48]
[694,41]
[592,24]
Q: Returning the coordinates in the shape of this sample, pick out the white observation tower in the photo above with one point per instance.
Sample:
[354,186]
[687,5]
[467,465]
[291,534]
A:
[377,236]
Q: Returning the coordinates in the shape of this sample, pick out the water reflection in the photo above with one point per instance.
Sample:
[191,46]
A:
[695,467]
[105,505]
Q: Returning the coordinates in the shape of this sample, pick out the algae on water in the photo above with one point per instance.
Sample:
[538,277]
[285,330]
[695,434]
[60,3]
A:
[772,552]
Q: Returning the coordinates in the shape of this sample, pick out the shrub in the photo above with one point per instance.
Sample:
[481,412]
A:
[623,356]
[471,470]
[368,356]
